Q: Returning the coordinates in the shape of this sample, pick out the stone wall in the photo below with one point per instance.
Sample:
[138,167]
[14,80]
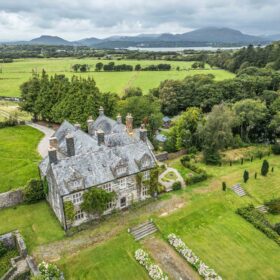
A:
[165,156]
[8,240]
[162,156]
[11,198]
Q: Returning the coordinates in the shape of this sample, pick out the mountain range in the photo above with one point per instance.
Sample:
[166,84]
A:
[200,37]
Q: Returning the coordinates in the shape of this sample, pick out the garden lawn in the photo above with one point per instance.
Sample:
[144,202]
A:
[209,225]
[18,156]
[111,260]
[16,73]
[36,222]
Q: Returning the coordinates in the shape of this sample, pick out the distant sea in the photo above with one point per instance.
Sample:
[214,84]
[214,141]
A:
[182,49]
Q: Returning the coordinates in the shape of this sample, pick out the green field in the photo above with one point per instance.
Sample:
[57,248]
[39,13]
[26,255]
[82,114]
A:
[18,156]
[12,75]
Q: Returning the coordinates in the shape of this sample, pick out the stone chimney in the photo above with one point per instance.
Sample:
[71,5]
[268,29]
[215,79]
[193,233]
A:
[129,123]
[143,134]
[101,111]
[70,145]
[100,137]
[77,126]
[90,122]
[53,142]
[52,155]
[119,118]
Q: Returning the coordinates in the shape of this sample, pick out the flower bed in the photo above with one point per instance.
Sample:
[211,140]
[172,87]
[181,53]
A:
[203,270]
[154,270]
[50,272]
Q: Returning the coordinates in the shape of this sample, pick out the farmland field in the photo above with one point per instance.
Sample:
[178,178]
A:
[12,75]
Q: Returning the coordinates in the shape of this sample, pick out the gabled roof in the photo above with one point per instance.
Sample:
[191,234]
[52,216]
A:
[92,164]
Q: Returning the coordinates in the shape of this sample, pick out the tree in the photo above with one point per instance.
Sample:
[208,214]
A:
[132,91]
[98,66]
[221,121]
[137,67]
[95,201]
[245,176]
[265,168]
[250,112]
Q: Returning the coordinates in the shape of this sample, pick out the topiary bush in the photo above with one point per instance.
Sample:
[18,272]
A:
[176,186]
[265,168]
[34,191]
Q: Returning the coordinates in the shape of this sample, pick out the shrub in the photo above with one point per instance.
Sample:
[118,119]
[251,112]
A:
[34,191]
[265,168]
[176,186]
[196,178]
[273,206]
[224,186]
[245,176]
[3,249]
[9,122]
[49,271]
[277,228]
[276,149]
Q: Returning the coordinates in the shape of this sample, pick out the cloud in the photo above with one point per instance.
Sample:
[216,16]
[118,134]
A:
[76,19]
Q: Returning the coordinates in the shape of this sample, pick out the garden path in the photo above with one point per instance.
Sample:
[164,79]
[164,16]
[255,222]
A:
[169,260]
[168,185]
[44,143]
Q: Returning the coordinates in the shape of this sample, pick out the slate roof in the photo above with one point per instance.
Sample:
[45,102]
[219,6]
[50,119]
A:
[93,164]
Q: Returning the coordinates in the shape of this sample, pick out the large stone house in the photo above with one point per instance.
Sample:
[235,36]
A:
[110,156]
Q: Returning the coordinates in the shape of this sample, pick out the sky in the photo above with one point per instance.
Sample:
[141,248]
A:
[77,19]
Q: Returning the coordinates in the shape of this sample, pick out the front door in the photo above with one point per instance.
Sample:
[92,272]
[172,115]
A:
[123,202]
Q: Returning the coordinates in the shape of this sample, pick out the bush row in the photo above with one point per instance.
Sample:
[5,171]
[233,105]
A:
[259,221]
[8,123]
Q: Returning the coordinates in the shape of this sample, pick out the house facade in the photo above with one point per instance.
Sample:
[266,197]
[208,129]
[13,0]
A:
[112,156]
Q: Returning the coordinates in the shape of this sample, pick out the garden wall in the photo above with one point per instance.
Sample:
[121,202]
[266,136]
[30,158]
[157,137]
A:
[165,156]
[11,198]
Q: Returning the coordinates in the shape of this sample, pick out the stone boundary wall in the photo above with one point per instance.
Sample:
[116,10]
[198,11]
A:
[165,156]
[11,198]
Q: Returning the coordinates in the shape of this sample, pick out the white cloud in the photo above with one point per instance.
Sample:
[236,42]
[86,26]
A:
[75,19]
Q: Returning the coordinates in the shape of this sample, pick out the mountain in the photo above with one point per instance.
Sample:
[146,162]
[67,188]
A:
[49,40]
[210,36]
[274,37]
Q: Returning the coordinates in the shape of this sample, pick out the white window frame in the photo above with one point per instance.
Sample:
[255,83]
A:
[122,183]
[77,198]
[79,215]
[146,162]
[146,175]
[144,191]
[121,170]
[107,187]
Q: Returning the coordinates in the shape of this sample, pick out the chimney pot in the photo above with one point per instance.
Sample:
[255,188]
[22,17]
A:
[119,118]
[77,126]
[70,145]
[53,142]
[90,123]
[101,111]
[129,123]
[143,134]
[52,155]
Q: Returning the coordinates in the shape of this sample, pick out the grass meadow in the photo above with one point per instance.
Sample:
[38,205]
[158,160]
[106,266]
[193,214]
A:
[18,156]
[12,75]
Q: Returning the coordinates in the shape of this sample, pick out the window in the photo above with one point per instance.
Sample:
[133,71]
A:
[77,198]
[79,215]
[107,187]
[122,183]
[121,170]
[146,175]
[123,202]
[144,191]
[146,162]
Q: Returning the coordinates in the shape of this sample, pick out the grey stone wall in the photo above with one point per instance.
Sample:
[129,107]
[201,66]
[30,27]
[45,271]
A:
[8,240]
[11,198]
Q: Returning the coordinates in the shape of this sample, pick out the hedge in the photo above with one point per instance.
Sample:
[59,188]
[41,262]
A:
[34,191]
[259,221]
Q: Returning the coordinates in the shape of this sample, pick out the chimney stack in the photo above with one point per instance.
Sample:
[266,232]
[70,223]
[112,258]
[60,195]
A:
[90,122]
[53,142]
[77,126]
[70,145]
[129,123]
[143,134]
[119,118]
[100,137]
[52,155]
[101,111]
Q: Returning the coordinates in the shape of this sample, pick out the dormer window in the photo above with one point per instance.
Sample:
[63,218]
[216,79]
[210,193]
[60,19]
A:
[121,170]
[146,162]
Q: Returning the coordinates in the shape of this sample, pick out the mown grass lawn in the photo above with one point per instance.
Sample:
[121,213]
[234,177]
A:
[36,222]
[220,237]
[112,260]
[16,73]
[18,156]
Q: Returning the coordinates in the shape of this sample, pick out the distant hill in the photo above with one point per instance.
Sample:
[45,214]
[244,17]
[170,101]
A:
[49,40]
[275,37]
[201,37]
